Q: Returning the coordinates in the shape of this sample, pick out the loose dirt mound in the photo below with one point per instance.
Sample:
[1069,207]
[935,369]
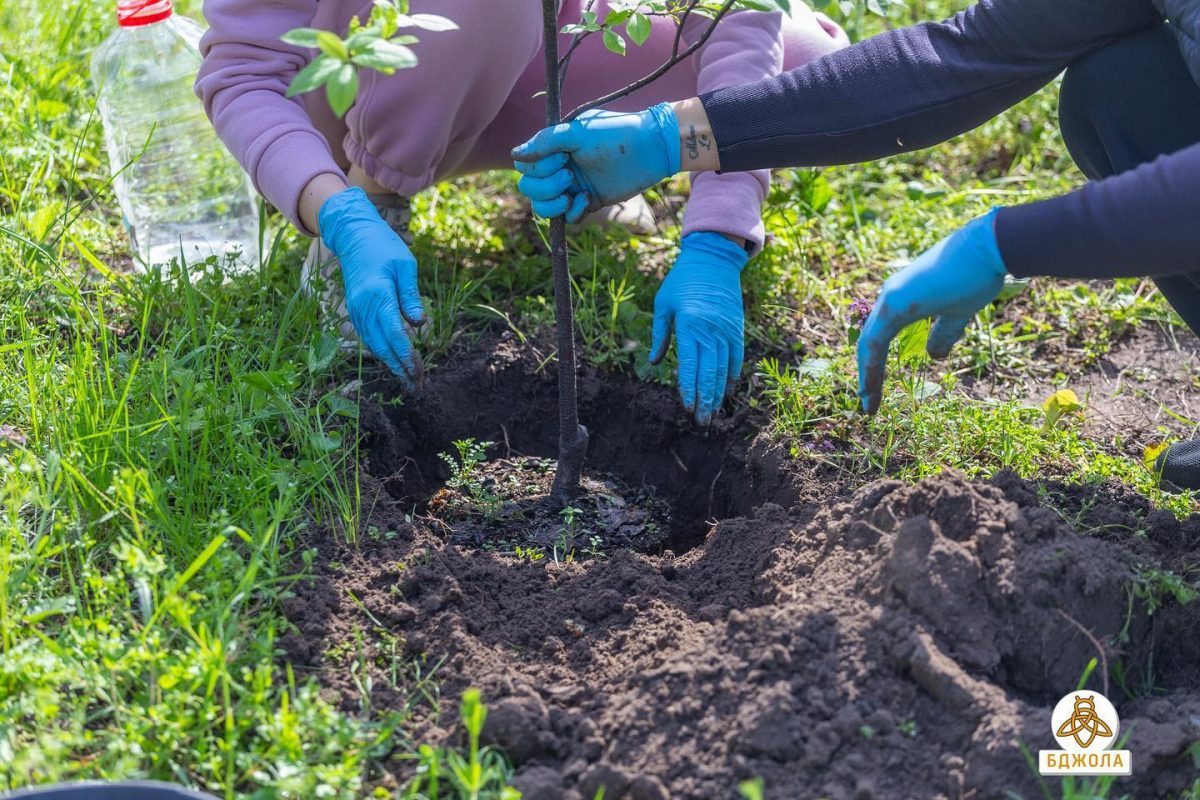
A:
[898,642]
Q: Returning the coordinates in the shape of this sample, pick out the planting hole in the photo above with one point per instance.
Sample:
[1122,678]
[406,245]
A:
[643,457]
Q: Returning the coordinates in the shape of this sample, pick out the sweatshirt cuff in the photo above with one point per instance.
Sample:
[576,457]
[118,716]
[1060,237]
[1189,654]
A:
[286,167]
[729,203]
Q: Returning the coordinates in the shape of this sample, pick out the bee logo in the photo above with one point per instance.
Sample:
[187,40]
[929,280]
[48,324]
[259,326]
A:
[1086,726]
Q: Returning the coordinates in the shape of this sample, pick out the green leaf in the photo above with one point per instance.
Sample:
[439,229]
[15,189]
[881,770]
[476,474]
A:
[752,789]
[912,341]
[433,22]
[616,17]
[815,368]
[303,37]
[1059,405]
[48,109]
[341,406]
[332,45]
[58,607]
[387,15]
[321,351]
[342,89]
[638,28]
[1151,454]
[875,7]
[387,57]
[758,5]
[325,442]
[314,75]
[816,192]
[41,221]
[1012,288]
[614,42]
[265,381]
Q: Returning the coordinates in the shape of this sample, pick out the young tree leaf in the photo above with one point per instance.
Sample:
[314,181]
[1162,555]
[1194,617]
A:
[387,57]
[332,45]
[638,28]
[433,22]
[314,75]
[342,88]
[616,17]
[614,42]
[876,7]
[302,37]
[773,5]
[387,15]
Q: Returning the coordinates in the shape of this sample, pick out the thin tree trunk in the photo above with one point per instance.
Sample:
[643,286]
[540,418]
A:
[572,437]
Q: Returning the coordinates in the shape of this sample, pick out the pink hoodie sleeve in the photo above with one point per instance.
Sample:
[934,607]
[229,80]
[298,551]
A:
[746,47]
[243,83]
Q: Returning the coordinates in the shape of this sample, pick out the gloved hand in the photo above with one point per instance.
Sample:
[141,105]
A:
[380,278]
[600,159]
[951,281]
[701,299]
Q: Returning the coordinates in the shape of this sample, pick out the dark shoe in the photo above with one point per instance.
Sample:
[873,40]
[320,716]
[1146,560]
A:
[1179,466]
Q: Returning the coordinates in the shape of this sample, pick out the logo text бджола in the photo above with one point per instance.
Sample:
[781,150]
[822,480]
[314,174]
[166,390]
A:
[1086,726]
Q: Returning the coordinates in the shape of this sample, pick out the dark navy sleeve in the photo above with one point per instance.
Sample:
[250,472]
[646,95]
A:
[913,87]
[916,87]
[1141,222]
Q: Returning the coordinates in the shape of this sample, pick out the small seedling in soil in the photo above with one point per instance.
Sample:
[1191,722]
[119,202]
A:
[565,542]
[449,772]
[474,495]
[504,505]
[1156,587]
[1059,406]
[752,789]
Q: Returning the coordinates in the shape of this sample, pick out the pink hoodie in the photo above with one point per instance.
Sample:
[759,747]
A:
[472,96]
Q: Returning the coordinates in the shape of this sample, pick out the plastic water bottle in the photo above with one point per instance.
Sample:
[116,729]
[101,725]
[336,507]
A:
[183,195]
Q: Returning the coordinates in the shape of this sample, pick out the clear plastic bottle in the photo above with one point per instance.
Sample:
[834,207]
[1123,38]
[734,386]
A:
[183,195]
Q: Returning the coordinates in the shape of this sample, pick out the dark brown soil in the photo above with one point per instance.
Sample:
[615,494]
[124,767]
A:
[504,505]
[896,642]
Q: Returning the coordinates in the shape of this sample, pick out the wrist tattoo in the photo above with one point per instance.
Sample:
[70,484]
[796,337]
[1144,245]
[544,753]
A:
[694,142]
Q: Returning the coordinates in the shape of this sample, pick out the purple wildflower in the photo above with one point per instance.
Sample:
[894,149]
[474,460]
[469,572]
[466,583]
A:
[859,311]
[10,435]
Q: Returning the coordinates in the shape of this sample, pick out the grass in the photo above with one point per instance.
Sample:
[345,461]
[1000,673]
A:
[168,438]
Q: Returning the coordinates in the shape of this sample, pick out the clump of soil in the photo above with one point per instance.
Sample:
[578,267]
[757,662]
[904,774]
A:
[504,505]
[897,641]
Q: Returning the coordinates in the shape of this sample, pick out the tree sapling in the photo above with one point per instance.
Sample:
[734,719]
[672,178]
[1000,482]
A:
[634,16]
[376,46]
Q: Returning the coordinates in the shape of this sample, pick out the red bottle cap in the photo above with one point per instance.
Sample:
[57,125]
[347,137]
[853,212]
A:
[133,13]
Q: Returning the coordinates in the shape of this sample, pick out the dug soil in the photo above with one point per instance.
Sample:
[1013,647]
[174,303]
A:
[896,641]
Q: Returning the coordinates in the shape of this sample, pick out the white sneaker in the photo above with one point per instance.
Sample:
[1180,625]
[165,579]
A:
[322,272]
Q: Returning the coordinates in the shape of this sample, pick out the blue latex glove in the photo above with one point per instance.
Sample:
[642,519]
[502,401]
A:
[380,278]
[701,299]
[952,281]
[600,159]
